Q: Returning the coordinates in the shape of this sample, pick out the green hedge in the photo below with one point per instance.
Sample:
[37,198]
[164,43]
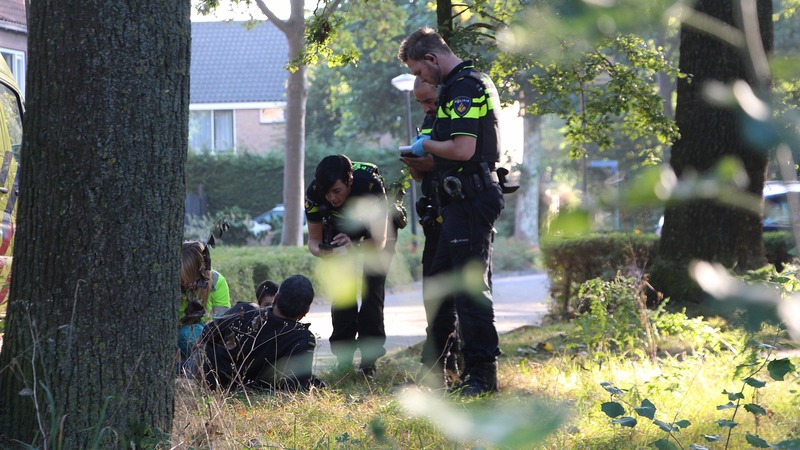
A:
[575,260]
[572,261]
[779,247]
[246,267]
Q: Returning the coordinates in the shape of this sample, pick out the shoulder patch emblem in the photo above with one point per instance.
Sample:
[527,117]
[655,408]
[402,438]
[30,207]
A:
[461,105]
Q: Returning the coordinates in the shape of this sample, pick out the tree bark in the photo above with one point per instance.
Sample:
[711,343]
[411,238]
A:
[704,229]
[527,211]
[294,173]
[88,357]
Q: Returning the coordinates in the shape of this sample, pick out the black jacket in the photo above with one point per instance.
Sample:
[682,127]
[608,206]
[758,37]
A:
[250,346]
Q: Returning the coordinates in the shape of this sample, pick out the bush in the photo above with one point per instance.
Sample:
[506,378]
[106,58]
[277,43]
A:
[572,261]
[779,248]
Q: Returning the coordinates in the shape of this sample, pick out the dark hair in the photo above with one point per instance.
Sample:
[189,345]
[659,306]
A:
[331,169]
[420,43]
[267,287]
[295,296]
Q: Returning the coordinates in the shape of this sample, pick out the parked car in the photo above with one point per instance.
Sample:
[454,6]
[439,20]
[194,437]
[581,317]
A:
[265,222]
[11,110]
[777,213]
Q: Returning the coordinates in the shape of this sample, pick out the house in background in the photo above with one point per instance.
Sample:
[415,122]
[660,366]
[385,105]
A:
[14,38]
[238,87]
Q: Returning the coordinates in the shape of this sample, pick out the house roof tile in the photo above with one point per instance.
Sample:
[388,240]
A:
[235,63]
[12,13]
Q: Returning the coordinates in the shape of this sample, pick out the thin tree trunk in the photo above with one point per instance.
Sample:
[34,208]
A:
[294,173]
[88,357]
[527,212]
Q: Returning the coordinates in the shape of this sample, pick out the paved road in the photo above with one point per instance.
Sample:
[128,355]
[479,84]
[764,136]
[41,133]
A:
[518,300]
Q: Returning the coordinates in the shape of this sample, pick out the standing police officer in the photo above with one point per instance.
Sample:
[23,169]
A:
[465,145]
[441,350]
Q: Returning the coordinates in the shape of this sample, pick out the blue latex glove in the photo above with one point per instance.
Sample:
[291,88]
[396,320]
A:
[417,148]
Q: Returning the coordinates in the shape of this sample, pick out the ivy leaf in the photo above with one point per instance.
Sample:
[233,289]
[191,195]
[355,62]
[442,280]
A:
[612,409]
[682,423]
[756,441]
[750,381]
[728,405]
[712,437]
[778,368]
[611,388]
[726,423]
[663,425]
[664,444]
[755,409]
[646,410]
[625,422]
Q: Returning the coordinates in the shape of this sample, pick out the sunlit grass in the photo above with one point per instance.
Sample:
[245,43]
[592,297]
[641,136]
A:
[540,378]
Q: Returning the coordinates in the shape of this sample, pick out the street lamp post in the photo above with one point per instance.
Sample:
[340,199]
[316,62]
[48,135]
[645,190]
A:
[405,83]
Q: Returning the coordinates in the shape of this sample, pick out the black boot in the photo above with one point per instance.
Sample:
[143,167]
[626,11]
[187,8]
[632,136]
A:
[479,379]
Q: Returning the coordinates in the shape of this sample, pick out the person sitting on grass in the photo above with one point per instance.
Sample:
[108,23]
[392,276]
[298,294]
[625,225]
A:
[265,293]
[264,348]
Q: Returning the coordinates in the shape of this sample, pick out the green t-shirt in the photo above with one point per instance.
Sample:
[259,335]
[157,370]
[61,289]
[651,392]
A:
[219,296]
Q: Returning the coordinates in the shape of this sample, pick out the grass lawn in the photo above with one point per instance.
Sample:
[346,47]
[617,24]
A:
[551,397]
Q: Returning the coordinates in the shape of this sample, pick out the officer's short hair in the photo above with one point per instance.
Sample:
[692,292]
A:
[331,169]
[420,43]
[295,295]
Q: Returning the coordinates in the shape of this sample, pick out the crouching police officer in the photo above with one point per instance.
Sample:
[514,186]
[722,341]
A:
[346,208]
[465,146]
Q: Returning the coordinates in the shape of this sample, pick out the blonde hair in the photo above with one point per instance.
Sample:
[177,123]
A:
[195,271]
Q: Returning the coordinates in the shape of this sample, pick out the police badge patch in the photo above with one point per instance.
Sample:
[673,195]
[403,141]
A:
[461,105]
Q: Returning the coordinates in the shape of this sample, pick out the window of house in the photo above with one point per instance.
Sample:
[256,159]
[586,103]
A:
[16,62]
[271,115]
[211,130]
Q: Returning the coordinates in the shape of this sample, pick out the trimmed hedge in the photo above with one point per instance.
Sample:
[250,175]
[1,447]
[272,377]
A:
[572,261]
[575,260]
[245,267]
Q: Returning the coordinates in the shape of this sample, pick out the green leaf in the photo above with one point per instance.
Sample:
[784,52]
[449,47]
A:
[755,409]
[756,441]
[663,425]
[732,396]
[646,410]
[779,368]
[570,223]
[682,423]
[625,422]
[611,388]
[664,444]
[750,381]
[728,405]
[697,447]
[612,409]
[726,423]
[788,444]
[712,437]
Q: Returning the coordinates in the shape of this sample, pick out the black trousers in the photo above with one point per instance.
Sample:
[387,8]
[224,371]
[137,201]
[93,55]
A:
[363,328]
[464,252]
[440,311]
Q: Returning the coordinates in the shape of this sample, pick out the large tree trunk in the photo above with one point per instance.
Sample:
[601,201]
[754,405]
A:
[527,211]
[706,230]
[294,171]
[88,358]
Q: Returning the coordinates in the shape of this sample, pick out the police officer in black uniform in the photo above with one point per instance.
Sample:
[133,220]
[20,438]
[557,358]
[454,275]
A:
[465,145]
[441,349]
[336,223]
